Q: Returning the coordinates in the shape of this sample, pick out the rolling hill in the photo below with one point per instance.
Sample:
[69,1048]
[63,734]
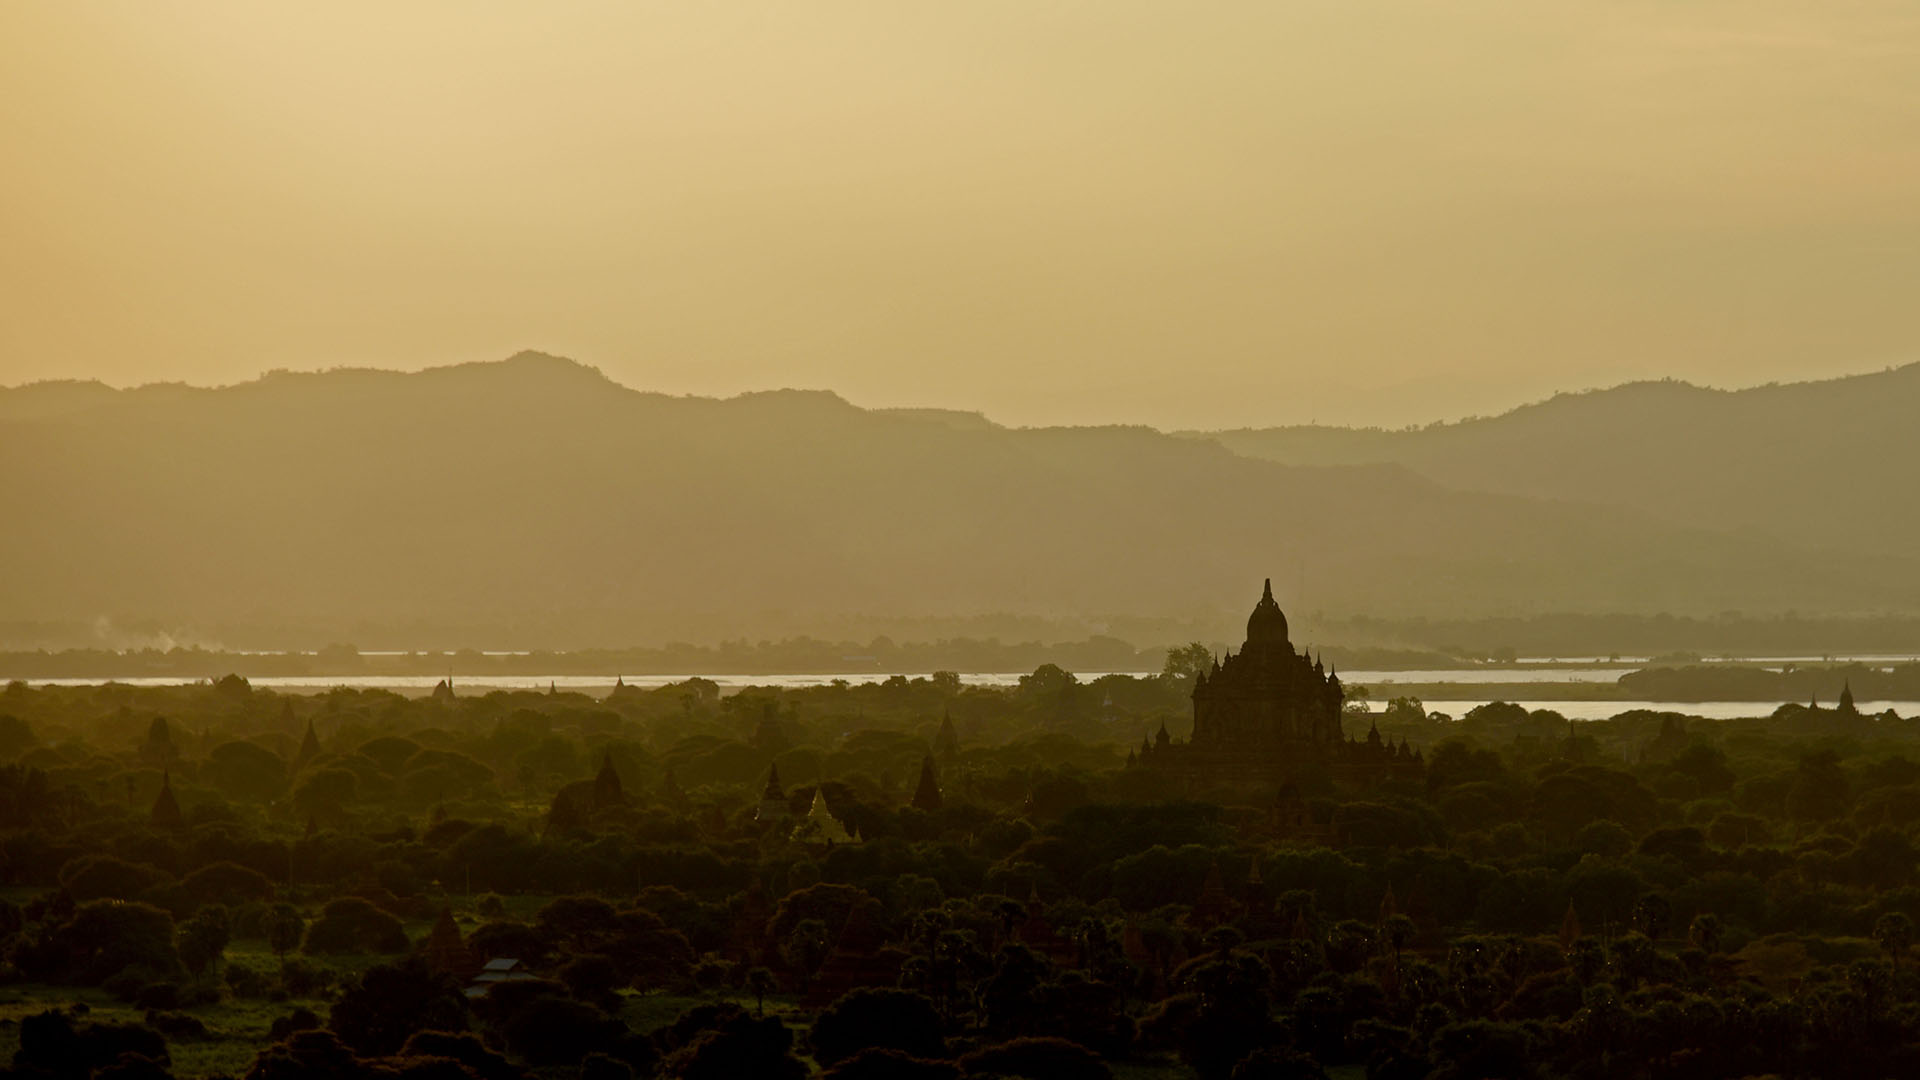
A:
[1830,464]
[538,499]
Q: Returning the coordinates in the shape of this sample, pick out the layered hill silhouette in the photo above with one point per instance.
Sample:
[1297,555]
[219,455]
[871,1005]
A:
[536,494]
[1828,464]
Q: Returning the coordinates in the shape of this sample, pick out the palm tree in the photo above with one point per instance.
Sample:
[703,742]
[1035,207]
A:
[760,983]
[1397,930]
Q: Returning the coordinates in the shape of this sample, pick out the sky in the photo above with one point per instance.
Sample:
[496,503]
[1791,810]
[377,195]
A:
[1232,214]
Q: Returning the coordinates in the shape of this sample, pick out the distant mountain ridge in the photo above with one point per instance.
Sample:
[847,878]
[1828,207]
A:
[536,493]
[1829,464]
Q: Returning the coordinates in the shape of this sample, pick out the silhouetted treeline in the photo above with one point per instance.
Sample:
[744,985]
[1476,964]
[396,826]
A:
[1791,682]
[793,656]
[1352,642]
[1576,634]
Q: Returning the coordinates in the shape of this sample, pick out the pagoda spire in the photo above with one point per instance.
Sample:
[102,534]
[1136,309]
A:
[309,747]
[927,796]
[445,952]
[607,789]
[1570,927]
[166,809]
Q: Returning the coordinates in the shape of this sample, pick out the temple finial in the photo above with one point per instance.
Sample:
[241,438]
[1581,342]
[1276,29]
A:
[1268,595]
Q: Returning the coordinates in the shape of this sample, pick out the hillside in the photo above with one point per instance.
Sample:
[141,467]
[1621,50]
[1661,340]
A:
[538,499]
[1826,464]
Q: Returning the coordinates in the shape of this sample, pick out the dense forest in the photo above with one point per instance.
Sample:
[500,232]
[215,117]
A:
[923,879]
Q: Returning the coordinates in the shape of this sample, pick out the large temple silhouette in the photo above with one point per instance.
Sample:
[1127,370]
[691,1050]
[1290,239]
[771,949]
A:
[1270,716]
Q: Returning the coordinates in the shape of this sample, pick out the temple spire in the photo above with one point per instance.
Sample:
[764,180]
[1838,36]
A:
[1267,626]
[927,796]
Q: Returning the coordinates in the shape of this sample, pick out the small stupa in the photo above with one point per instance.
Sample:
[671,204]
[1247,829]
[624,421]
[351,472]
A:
[819,826]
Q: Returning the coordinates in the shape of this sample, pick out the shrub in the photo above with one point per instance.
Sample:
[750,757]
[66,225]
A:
[95,877]
[297,1020]
[352,925]
[103,938]
[874,1017]
[249,982]
[559,1031]
[227,883]
[464,1048]
[391,1003]
[160,995]
[176,1025]
[53,1042]
[127,984]
[878,1064]
[1051,1058]
[305,980]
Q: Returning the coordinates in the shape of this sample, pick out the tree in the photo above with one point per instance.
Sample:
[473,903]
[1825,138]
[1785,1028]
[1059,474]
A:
[245,770]
[891,1065]
[284,929]
[1186,663]
[592,979]
[1651,914]
[1274,1063]
[308,1054]
[1349,946]
[558,1031]
[101,939]
[1894,932]
[1705,932]
[350,924]
[51,1044]
[1230,1020]
[391,1002]
[1819,791]
[576,920]
[868,1017]
[1052,689]
[760,983]
[1397,931]
[721,1042]
[226,883]
[16,737]
[158,747]
[1056,1059]
[203,939]
[463,1047]
[1603,889]
[805,948]
[96,877]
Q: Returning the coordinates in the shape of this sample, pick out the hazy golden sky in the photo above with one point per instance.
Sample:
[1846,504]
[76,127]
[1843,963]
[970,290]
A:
[1181,214]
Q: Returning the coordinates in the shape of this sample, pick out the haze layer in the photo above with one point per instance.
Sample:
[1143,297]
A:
[1247,214]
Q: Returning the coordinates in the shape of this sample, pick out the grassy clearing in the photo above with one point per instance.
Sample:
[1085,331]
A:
[238,1027]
